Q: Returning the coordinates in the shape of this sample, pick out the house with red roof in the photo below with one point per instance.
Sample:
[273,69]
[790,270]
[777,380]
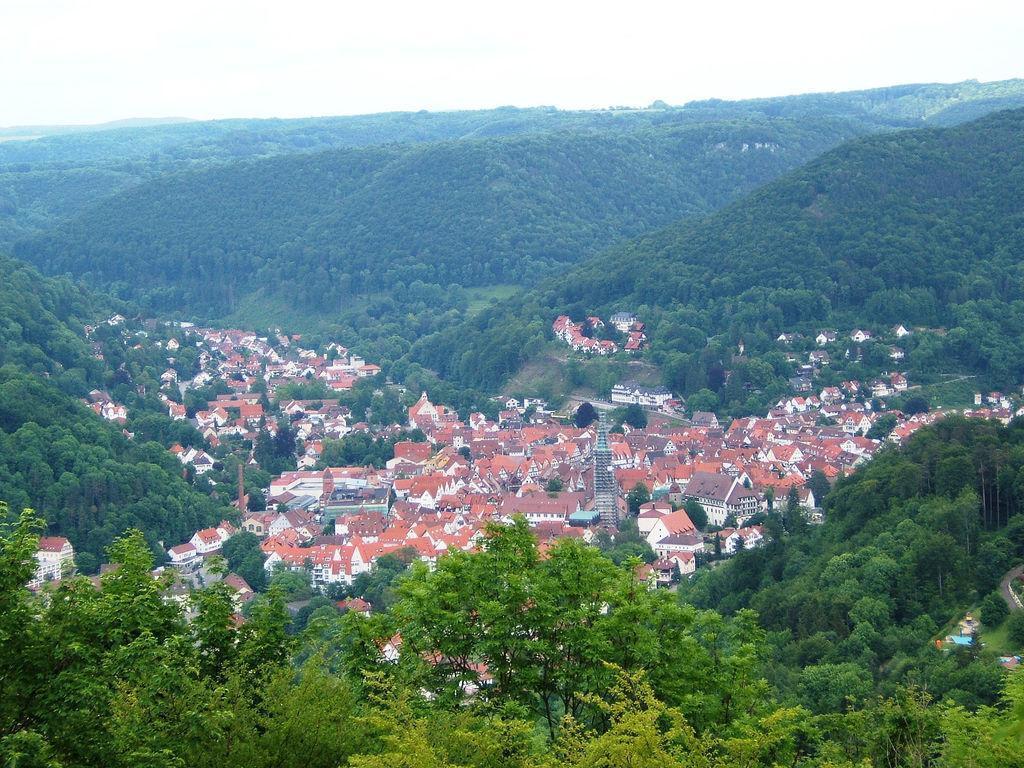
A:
[54,557]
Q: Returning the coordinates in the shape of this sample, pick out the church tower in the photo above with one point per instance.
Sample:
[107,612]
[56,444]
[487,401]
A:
[605,493]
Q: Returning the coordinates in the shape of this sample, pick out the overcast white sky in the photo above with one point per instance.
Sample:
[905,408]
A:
[90,61]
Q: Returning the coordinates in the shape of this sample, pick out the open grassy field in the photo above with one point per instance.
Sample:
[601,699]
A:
[482,296]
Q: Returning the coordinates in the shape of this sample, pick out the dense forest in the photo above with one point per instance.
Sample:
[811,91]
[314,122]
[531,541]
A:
[85,478]
[320,231]
[921,228]
[910,541]
[41,326]
[500,195]
[503,658]
[82,475]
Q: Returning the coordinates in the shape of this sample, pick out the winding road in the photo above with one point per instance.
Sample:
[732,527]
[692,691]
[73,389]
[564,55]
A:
[1008,594]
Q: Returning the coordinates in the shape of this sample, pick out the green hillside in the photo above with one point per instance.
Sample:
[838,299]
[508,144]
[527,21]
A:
[41,322]
[86,479]
[921,227]
[49,174]
[321,230]
[910,543]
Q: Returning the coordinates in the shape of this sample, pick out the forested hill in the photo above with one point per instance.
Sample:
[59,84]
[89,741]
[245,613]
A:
[86,479]
[321,229]
[49,179]
[910,543]
[41,326]
[921,227]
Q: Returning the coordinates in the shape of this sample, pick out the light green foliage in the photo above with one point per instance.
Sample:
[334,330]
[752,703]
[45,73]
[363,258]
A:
[590,668]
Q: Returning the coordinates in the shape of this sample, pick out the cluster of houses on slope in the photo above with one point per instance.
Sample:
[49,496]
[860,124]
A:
[254,368]
[189,555]
[579,335]
[103,405]
[242,358]
[857,336]
[817,359]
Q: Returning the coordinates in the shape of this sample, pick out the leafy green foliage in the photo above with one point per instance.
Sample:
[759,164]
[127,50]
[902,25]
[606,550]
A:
[590,668]
[993,610]
[85,478]
[585,415]
[244,557]
[373,219]
[908,543]
[41,327]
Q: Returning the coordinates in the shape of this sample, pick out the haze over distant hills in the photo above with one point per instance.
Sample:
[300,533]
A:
[32,132]
[508,194]
[57,176]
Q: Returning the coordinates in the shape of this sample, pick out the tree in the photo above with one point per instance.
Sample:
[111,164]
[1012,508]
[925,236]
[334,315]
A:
[635,416]
[915,404]
[637,498]
[586,415]
[554,485]
[697,514]
[1015,628]
[793,518]
[883,425]
[819,486]
[993,610]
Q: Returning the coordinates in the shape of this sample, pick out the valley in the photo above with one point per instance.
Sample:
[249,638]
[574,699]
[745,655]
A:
[517,438]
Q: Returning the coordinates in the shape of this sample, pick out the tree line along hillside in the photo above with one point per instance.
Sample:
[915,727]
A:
[82,475]
[48,175]
[920,227]
[321,230]
[41,326]
[87,480]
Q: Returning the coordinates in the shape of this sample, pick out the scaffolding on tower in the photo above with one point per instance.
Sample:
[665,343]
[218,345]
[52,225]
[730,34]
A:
[606,501]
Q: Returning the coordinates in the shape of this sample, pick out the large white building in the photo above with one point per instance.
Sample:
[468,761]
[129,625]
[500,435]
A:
[54,558]
[634,394]
[721,496]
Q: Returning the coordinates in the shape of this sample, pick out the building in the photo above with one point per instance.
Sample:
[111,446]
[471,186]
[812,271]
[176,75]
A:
[54,558]
[623,321]
[634,394]
[185,557]
[721,496]
[606,500]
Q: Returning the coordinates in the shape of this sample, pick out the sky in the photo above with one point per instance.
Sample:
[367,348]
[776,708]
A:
[89,61]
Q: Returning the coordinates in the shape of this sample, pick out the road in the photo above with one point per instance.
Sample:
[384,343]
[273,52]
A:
[1008,594]
[954,380]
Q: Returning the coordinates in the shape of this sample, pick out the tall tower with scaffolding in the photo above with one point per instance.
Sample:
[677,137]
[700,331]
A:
[606,500]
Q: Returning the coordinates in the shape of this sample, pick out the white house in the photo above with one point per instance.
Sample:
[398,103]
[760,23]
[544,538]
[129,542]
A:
[184,557]
[54,556]
[207,541]
[634,394]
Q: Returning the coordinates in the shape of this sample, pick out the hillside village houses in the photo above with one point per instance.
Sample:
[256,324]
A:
[578,335]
